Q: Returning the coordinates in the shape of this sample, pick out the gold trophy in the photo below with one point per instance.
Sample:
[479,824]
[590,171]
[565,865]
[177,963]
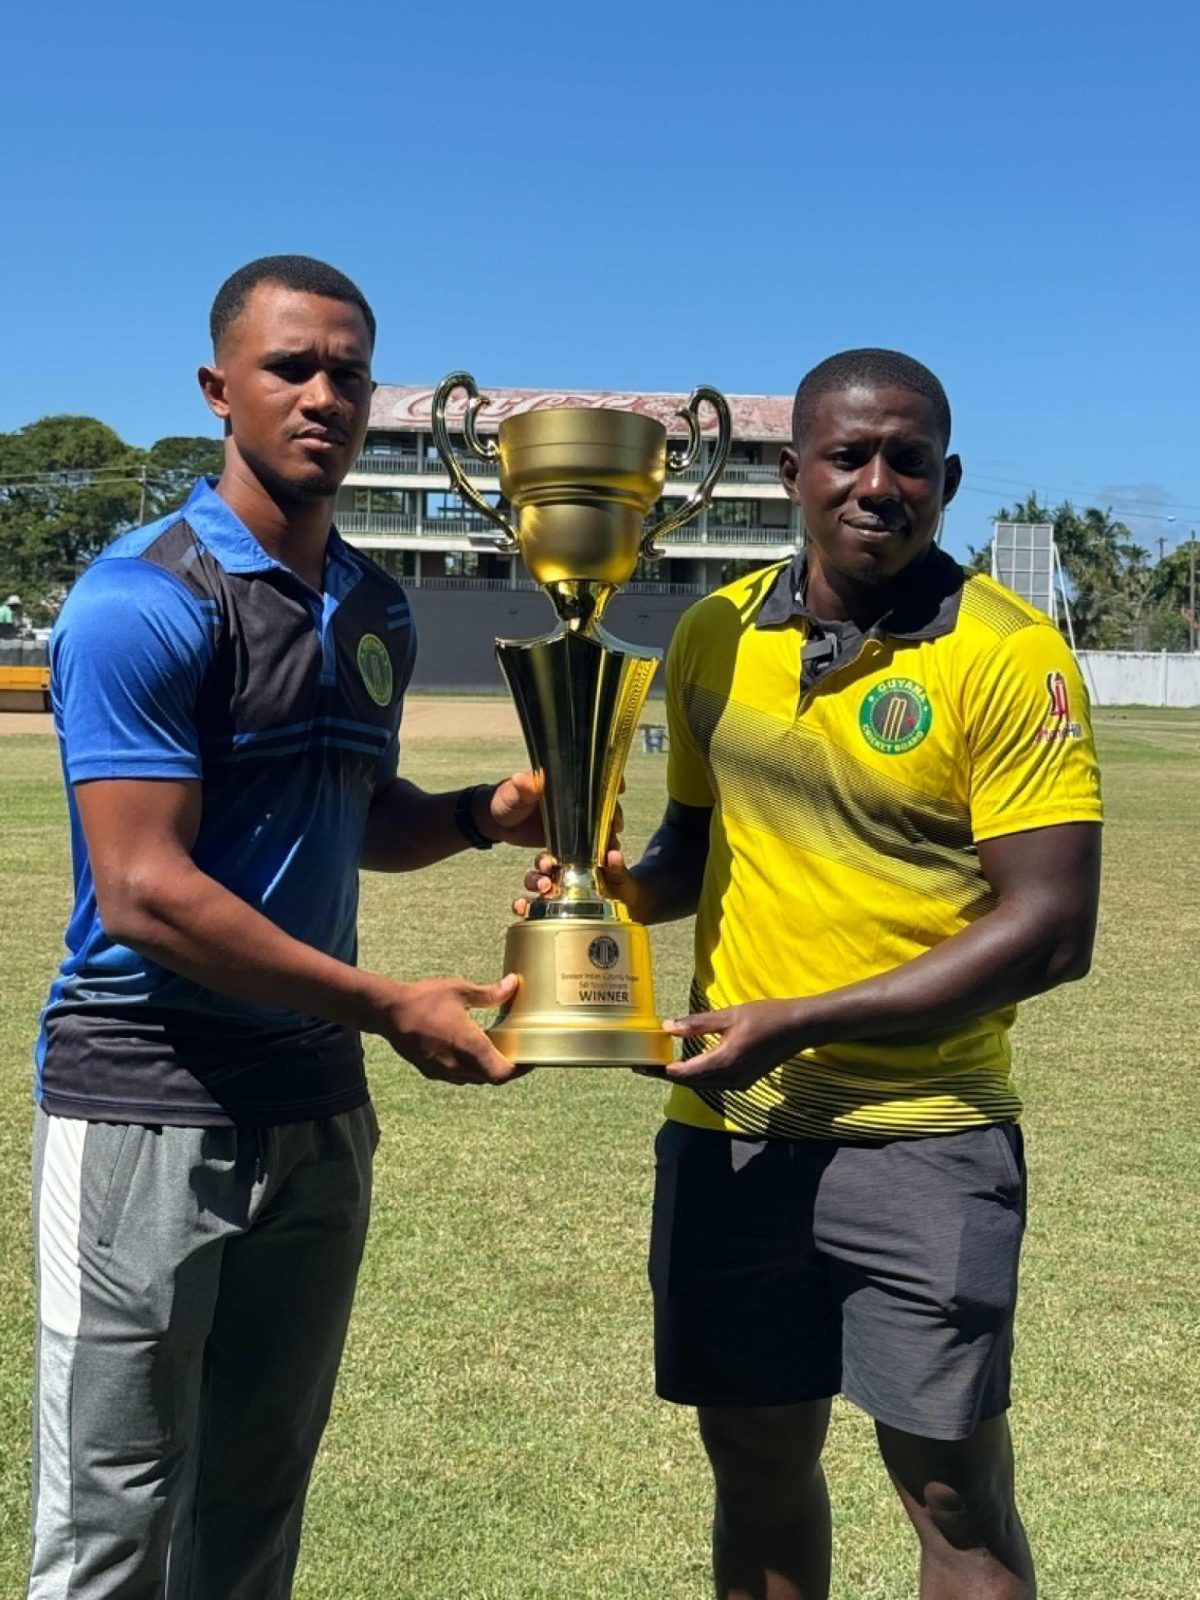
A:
[581,482]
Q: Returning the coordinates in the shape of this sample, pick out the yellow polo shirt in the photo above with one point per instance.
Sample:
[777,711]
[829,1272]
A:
[844,824]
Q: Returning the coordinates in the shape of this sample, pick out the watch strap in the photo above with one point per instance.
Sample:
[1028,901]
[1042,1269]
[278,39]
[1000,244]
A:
[464,816]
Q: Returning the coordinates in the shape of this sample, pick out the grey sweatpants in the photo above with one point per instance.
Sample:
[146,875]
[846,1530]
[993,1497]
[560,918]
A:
[194,1288]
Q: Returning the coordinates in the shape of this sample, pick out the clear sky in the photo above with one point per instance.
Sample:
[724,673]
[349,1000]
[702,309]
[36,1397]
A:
[635,196]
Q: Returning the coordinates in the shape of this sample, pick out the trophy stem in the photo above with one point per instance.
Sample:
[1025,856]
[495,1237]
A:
[580,603]
[587,980]
[579,894]
[579,694]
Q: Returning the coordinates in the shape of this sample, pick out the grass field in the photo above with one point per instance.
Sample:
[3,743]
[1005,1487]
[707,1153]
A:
[495,1436]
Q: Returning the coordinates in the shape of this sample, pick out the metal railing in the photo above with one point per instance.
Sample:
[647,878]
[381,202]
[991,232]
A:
[735,472]
[417,582]
[388,461]
[378,522]
[527,585]
[697,533]
[411,525]
[646,586]
[402,462]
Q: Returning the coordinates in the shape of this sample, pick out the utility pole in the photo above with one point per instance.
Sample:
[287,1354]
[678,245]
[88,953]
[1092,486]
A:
[1192,590]
[142,504]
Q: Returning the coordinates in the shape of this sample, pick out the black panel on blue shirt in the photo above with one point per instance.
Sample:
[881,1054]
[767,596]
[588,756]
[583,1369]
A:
[185,651]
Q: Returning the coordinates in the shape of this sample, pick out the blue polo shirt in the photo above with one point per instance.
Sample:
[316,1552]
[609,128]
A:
[186,652]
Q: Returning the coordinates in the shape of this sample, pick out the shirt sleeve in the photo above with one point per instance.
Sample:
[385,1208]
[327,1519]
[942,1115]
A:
[389,761]
[127,657]
[1029,733]
[688,780]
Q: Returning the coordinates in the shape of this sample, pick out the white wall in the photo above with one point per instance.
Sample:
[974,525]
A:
[1141,677]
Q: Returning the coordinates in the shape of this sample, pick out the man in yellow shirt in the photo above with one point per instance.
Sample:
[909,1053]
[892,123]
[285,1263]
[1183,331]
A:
[883,811]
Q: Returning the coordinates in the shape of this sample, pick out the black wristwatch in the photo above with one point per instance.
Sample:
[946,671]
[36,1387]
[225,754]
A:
[464,816]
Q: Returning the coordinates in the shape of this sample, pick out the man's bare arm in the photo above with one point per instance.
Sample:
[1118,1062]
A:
[152,896]
[408,828]
[1040,934]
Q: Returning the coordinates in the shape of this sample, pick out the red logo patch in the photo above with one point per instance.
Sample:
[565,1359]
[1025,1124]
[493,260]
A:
[1058,723]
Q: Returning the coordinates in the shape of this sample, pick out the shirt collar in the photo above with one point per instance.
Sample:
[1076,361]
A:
[221,530]
[925,607]
[217,525]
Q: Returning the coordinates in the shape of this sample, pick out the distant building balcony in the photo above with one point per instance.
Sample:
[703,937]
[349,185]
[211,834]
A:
[400,464]
[397,463]
[400,526]
[410,525]
[701,532]
[527,585]
[735,472]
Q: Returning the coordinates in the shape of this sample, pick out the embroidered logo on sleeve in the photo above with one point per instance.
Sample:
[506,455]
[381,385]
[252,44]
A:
[375,665]
[895,716]
[1058,722]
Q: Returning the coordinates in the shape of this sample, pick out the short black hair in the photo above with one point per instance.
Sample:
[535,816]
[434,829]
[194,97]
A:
[869,369]
[303,273]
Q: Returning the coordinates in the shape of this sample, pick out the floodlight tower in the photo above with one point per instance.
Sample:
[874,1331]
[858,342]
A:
[1025,558]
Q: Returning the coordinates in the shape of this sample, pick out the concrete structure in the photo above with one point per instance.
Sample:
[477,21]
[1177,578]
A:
[1141,677]
[24,675]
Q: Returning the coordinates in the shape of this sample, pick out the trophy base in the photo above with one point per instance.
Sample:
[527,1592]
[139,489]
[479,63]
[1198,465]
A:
[586,997]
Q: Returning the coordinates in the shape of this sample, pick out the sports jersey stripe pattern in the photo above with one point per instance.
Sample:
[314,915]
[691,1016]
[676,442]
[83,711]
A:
[186,652]
[795,1102]
[998,611]
[845,830]
[780,777]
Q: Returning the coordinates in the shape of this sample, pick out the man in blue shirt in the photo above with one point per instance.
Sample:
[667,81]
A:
[227,688]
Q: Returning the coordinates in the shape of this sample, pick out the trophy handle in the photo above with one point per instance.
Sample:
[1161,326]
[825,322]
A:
[506,542]
[680,460]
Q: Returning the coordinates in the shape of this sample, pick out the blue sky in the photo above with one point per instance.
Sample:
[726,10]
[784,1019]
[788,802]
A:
[636,196]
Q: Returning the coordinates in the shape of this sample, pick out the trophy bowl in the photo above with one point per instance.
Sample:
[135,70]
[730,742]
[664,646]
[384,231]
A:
[582,481]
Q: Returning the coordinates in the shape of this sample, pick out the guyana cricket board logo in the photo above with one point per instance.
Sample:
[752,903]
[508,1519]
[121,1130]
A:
[895,716]
[375,665]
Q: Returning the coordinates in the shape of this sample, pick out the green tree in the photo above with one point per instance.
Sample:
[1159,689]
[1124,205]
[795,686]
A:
[69,485]
[1110,584]
[1093,549]
[1171,594]
[173,465]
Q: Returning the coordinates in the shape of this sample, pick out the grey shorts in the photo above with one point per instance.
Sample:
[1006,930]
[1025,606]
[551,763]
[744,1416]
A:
[194,1288]
[787,1270]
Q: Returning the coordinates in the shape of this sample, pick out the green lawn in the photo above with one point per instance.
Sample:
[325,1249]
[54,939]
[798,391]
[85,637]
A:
[495,1436]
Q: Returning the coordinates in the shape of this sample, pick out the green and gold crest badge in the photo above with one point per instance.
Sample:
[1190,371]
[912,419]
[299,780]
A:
[375,665]
[895,716]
